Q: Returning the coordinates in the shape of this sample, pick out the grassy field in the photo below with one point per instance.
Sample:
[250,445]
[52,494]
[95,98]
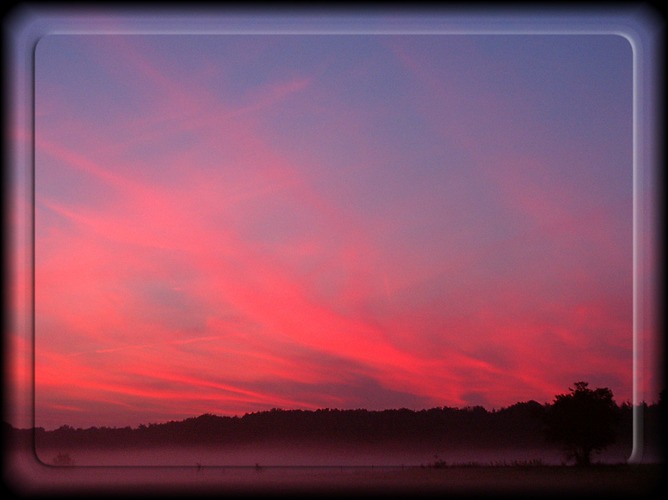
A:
[29,477]
[623,480]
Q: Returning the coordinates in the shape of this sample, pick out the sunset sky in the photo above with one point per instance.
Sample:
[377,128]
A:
[234,223]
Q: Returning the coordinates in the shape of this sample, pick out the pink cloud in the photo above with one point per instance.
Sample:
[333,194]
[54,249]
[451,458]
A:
[220,263]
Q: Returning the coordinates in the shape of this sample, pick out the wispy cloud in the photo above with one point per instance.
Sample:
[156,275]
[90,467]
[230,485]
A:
[190,249]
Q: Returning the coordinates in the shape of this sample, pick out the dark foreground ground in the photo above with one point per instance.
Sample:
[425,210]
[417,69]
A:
[26,477]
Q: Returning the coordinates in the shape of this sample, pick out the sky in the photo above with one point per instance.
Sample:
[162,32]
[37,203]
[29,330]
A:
[233,223]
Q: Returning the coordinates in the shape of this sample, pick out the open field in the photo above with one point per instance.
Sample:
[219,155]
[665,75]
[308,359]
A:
[27,476]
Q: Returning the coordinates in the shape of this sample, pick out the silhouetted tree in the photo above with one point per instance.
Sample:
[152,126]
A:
[583,421]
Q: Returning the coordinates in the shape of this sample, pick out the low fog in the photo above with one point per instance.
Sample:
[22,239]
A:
[298,456]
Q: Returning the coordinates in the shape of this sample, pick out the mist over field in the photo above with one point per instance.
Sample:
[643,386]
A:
[331,438]
[303,456]
[282,471]
[275,452]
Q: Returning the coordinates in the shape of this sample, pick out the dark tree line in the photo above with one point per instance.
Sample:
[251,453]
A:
[516,425]
[583,422]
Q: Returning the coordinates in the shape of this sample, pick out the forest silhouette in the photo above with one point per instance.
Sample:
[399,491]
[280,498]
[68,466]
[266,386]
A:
[524,424]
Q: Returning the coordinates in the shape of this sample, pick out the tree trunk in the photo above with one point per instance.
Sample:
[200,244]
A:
[583,456]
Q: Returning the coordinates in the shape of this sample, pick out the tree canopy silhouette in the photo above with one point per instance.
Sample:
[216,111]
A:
[583,421]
